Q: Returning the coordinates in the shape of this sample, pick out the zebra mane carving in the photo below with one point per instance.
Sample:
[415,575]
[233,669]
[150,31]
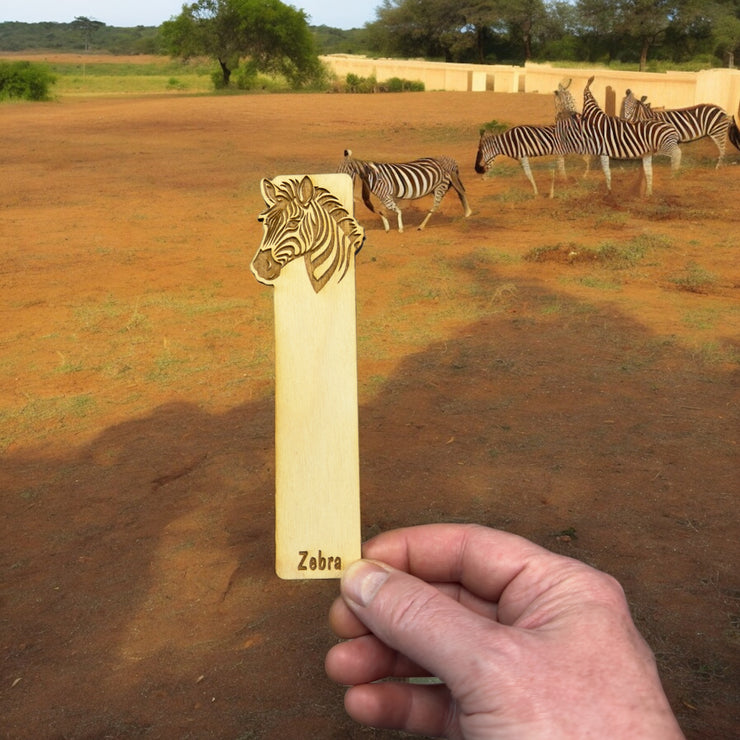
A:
[304,220]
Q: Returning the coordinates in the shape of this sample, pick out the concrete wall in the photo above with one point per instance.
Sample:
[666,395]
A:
[664,90]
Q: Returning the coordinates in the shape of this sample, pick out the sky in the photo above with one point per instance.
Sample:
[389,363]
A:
[127,13]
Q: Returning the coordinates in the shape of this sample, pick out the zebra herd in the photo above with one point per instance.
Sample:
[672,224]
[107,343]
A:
[638,133]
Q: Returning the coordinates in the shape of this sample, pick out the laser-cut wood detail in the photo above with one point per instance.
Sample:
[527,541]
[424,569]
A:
[317,479]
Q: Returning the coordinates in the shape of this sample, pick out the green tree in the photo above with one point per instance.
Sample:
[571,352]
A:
[722,19]
[647,21]
[25,81]
[458,30]
[88,28]
[269,35]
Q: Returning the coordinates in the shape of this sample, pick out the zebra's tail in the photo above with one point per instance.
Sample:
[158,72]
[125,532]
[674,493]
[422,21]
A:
[733,134]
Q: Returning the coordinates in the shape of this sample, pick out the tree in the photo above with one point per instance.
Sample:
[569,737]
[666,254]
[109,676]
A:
[271,36]
[88,27]
[645,20]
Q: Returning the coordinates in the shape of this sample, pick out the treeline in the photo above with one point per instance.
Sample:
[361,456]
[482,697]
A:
[690,33]
[592,31]
[76,37]
[73,38]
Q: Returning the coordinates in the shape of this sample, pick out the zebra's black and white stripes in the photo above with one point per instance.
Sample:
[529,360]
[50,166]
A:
[692,123]
[609,137]
[519,142]
[391,182]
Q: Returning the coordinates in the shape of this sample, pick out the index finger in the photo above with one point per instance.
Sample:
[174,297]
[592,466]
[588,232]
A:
[485,561]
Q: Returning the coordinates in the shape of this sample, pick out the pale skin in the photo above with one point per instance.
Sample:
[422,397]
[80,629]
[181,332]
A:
[528,644]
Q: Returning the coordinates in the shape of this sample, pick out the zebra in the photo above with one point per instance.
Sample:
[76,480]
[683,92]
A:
[304,220]
[519,142]
[593,132]
[692,123]
[405,181]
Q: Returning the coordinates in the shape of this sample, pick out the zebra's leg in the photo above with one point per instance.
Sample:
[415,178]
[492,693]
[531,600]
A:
[561,166]
[720,144]
[528,172]
[676,160]
[587,163]
[647,167]
[456,183]
[390,205]
[439,193]
[604,159]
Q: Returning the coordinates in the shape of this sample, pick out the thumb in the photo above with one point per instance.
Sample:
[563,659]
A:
[418,620]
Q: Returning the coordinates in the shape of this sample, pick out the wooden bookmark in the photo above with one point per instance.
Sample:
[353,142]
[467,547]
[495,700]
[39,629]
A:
[308,255]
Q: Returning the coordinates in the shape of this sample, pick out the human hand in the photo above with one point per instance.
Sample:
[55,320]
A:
[528,644]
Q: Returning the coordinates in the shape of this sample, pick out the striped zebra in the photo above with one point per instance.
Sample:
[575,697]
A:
[405,181]
[609,137]
[692,123]
[519,142]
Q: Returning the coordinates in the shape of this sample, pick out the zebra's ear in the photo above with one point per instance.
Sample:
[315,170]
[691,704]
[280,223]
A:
[305,191]
[268,191]
[348,153]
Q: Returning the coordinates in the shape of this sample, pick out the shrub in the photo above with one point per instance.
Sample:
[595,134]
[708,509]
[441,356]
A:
[398,84]
[493,127]
[356,84]
[25,81]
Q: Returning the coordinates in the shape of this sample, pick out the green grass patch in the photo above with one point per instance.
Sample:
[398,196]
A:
[694,279]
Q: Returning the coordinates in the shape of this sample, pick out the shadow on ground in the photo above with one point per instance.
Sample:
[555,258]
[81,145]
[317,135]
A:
[139,597]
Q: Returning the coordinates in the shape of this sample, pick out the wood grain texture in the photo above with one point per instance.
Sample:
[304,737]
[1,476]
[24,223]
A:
[317,486]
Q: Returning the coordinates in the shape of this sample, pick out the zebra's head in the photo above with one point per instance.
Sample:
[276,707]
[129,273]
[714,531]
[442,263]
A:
[303,220]
[486,155]
[565,104]
[633,109]
[350,166]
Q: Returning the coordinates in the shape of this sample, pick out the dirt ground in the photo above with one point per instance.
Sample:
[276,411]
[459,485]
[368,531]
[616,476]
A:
[507,376]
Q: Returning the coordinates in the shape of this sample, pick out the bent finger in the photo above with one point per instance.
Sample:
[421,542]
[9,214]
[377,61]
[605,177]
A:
[366,659]
[422,710]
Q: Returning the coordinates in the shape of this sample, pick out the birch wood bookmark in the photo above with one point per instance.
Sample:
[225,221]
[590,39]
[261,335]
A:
[308,254]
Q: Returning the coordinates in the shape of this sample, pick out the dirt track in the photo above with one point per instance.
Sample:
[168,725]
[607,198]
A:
[591,408]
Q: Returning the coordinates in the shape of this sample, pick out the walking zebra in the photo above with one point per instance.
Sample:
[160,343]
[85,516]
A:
[692,123]
[519,142]
[405,181]
[609,137]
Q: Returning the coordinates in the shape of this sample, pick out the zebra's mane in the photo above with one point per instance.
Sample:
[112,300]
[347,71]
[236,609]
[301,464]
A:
[333,206]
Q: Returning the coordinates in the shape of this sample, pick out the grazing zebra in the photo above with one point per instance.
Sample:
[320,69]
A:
[692,123]
[593,132]
[519,142]
[406,181]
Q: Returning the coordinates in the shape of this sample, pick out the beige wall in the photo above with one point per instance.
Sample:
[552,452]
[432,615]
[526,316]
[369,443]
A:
[664,90]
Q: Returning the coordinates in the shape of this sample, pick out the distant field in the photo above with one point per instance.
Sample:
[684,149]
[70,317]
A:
[102,74]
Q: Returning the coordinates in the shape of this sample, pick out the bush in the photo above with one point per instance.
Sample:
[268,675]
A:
[356,84]
[25,81]
[397,84]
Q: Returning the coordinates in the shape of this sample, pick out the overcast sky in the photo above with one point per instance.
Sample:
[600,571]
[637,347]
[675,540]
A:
[335,13]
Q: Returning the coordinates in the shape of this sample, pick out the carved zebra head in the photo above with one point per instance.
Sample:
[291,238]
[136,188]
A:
[303,220]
